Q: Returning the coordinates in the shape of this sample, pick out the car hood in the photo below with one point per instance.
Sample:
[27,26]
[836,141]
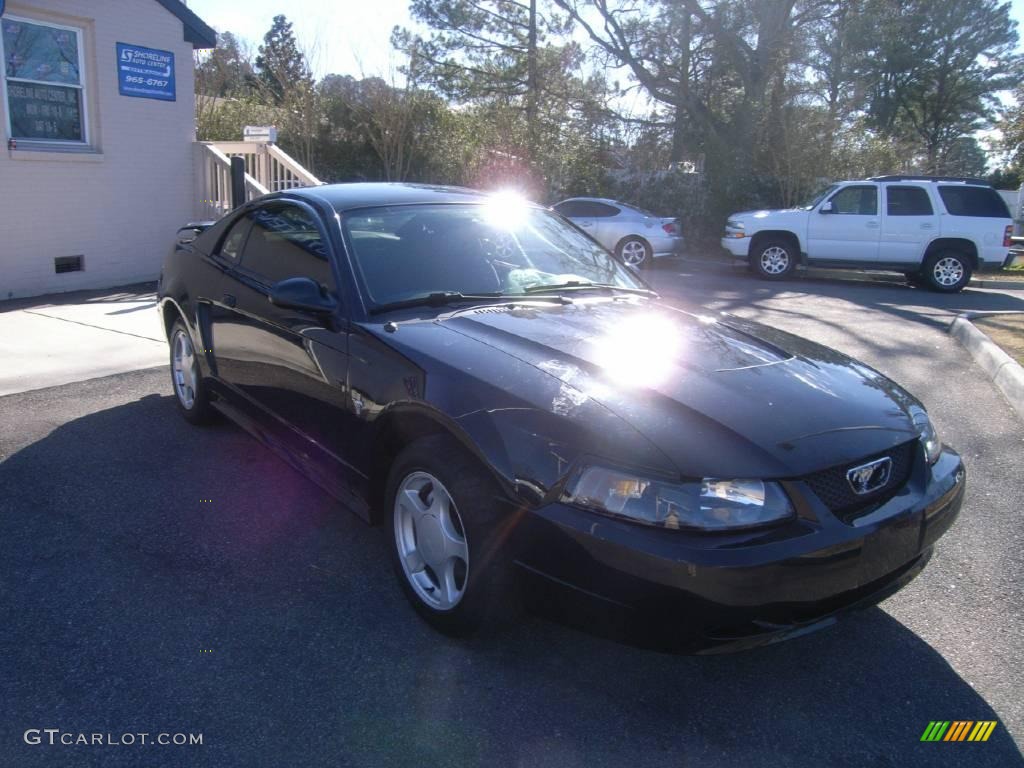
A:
[773,213]
[716,394]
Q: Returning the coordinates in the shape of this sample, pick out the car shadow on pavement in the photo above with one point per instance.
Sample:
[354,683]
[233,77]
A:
[159,577]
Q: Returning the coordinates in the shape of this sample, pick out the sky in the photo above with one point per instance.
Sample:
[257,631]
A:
[349,37]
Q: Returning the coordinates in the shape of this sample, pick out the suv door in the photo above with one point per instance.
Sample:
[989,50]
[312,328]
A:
[909,224]
[845,226]
[292,365]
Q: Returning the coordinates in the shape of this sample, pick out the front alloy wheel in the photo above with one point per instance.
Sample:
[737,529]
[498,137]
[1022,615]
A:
[773,259]
[449,537]
[431,541]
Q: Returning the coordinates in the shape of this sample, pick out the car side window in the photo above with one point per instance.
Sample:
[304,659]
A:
[600,210]
[231,245]
[284,242]
[907,201]
[974,201]
[858,200]
[570,209]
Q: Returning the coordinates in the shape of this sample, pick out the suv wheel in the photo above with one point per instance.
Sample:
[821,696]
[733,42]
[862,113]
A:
[447,538]
[773,259]
[947,271]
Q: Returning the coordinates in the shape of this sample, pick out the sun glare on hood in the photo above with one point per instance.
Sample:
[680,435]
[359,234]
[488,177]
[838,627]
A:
[639,352]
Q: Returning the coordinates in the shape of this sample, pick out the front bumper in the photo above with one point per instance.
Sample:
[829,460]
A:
[695,592]
[737,246]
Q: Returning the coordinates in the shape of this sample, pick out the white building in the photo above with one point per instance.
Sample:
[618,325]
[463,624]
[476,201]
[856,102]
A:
[97,161]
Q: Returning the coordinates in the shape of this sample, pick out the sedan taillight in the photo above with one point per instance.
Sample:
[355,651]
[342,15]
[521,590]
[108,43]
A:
[670,228]
[1008,236]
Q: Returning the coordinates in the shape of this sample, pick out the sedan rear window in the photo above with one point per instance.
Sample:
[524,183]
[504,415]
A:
[974,201]
[404,252]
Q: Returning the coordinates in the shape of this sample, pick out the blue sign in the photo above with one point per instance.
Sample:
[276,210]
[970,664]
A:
[145,72]
[2,4]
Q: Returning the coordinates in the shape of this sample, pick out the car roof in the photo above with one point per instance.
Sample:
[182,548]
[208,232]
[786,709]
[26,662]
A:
[606,200]
[347,197]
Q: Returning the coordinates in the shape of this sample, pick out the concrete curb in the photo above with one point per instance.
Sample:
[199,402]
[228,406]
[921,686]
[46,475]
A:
[1005,372]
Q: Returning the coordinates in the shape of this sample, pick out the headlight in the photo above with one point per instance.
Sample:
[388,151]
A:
[929,437]
[734,224]
[709,505]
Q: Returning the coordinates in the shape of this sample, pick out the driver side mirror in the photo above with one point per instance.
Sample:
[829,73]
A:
[302,293]
[826,207]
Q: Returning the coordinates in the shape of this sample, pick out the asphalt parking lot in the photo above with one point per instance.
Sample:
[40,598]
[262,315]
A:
[158,577]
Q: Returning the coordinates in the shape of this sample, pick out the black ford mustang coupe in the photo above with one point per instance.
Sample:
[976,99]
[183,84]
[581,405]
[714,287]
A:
[511,404]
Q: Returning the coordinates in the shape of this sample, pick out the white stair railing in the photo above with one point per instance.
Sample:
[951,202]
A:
[213,182]
[269,165]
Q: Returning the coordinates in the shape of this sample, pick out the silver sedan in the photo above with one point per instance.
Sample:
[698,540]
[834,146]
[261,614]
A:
[634,235]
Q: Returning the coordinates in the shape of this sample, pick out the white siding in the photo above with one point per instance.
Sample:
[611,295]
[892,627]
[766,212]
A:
[120,207]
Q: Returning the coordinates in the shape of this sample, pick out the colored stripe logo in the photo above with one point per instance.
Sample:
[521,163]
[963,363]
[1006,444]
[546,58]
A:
[958,730]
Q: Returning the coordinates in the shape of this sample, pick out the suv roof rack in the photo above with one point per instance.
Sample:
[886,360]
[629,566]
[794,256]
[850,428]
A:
[922,177]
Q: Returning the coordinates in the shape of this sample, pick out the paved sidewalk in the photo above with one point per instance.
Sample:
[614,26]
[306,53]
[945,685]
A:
[59,339]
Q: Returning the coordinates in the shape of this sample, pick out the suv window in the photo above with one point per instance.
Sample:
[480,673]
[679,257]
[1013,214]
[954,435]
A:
[285,242]
[974,201]
[907,201]
[859,200]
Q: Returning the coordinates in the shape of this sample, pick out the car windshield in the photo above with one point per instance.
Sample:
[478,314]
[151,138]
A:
[819,197]
[494,249]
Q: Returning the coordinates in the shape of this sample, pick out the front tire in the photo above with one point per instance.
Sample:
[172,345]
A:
[190,391]
[447,533]
[947,271]
[773,259]
[635,252]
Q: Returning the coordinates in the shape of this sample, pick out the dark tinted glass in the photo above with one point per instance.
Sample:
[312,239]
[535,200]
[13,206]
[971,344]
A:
[570,209]
[285,242]
[859,200]
[908,201]
[231,248]
[600,210]
[974,201]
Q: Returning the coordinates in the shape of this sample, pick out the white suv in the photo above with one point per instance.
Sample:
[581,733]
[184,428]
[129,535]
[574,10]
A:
[937,230]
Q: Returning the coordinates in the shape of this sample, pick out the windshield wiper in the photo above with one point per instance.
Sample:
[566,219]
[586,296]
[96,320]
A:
[444,298]
[583,285]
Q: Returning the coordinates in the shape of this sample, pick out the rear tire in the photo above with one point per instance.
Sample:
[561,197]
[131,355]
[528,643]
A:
[447,532]
[635,252]
[773,259]
[190,392]
[947,271]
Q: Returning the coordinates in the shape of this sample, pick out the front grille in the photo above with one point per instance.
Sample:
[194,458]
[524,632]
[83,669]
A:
[832,487]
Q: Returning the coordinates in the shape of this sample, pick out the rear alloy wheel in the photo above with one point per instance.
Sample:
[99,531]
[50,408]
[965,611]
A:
[947,271]
[447,538]
[634,252]
[773,259]
[187,379]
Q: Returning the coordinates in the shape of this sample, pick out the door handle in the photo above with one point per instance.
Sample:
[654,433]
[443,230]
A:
[927,225]
[872,225]
[229,300]
[586,223]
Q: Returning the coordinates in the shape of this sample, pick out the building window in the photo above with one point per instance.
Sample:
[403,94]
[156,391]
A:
[44,91]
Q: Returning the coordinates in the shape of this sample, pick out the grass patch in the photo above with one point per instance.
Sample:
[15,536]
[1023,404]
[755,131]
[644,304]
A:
[1005,330]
